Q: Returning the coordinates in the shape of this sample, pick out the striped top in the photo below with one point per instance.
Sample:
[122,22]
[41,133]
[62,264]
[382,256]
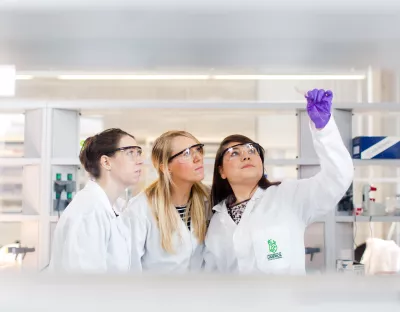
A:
[181,210]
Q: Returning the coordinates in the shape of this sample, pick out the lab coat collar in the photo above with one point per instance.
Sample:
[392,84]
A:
[256,196]
[94,187]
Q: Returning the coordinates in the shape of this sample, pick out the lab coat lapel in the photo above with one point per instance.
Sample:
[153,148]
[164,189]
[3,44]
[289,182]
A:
[124,228]
[225,218]
[121,223]
[99,193]
[253,202]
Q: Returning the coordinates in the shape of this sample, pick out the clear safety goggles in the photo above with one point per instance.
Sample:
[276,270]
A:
[188,154]
[239,150]
[133,152]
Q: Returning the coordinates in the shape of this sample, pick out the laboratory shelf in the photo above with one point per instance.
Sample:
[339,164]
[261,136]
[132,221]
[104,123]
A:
[65,161]
[10,217]
[344,219]
[376,162]
[21,161]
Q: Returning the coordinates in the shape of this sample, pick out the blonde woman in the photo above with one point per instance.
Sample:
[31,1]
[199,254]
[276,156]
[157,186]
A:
[169,219]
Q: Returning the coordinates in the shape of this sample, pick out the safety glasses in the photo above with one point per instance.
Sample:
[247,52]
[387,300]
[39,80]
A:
[237,151]
[188,154]
[133,152]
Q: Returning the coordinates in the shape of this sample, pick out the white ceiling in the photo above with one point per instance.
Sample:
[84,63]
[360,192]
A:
[230,34]
[343,5]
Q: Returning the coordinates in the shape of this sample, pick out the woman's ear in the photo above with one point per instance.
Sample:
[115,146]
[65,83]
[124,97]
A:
[162,168]
[105,162]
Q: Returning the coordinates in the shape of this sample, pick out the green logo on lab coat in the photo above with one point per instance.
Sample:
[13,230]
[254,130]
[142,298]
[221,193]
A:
[273,247]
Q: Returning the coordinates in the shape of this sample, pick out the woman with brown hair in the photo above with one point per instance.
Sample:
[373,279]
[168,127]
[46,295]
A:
[89,237]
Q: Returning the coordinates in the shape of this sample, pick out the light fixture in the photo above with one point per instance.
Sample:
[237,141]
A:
[208,77]
[7,80]
[23,77]
[133,77]
[289,77]
[29,76]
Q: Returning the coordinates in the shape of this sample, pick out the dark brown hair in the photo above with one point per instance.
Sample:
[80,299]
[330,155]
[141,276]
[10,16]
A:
[221,188]
[103,143]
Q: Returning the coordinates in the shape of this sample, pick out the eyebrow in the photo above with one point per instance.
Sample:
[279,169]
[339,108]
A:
[188,147]
[182,150]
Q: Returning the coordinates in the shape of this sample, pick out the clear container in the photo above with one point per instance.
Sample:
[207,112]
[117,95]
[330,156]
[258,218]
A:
[392,204]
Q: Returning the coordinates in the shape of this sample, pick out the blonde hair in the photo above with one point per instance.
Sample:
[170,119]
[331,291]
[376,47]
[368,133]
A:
[160,197]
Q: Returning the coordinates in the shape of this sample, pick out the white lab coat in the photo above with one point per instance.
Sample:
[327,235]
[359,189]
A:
[270,236]
[89,237]
[381,257]
[147,253]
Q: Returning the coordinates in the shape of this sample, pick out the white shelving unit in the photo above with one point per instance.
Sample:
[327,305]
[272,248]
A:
[5,217]
[65,161]
[33,179]
[352,219]
[17,162]
[52,146]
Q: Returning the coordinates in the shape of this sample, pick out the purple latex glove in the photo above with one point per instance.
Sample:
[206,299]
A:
[319,103]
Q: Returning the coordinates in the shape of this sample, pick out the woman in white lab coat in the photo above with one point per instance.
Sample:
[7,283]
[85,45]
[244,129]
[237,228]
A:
[89,237]
[169,219]
[258,226]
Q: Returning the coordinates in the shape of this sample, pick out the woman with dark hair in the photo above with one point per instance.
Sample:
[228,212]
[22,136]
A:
[221,188]
[89,237]
[258,226]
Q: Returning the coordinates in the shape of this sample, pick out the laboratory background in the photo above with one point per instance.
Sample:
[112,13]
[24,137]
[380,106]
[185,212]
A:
[70,69]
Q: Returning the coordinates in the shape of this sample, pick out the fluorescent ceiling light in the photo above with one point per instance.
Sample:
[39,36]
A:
[7,80]
[133,77]
[24,77]
[289,77]
[209,77]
